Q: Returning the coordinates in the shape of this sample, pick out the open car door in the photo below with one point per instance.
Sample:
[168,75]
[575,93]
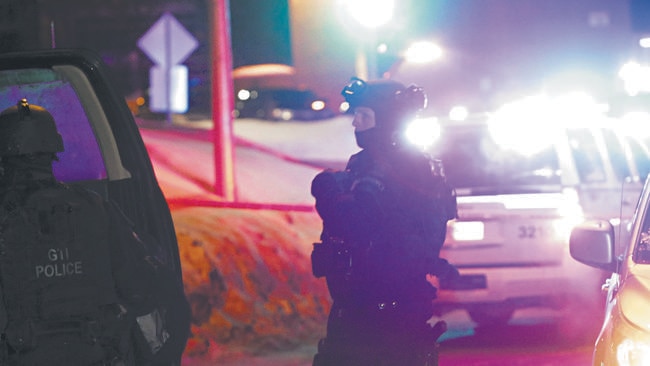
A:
[103,147]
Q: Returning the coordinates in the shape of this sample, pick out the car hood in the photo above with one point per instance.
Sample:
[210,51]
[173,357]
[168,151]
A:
[634,296]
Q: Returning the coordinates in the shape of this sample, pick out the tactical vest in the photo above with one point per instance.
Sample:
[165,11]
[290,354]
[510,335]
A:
[57,284]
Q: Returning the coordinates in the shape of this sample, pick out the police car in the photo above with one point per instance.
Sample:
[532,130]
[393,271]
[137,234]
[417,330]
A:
[103,147]
[522,184]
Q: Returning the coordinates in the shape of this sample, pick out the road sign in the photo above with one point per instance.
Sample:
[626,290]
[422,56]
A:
[174,80]
[167,42]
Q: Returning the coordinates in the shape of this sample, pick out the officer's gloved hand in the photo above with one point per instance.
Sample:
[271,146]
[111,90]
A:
[329,183]
[446,272]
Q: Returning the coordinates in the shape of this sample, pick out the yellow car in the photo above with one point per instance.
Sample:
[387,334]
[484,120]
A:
[624,339]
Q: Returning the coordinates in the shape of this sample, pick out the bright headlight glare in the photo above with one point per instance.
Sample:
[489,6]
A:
[468,230]
[317,105]
[572,215]
[564,227]
[423,132]
[633,353]
[244,94]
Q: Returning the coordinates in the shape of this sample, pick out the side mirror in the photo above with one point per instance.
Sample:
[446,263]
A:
[592,243]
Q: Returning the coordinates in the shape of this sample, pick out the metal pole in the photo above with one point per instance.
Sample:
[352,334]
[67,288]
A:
[168,70]
[222,100]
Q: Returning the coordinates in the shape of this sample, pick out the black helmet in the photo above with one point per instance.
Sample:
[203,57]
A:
[28,129]
[391,101]
[384,93]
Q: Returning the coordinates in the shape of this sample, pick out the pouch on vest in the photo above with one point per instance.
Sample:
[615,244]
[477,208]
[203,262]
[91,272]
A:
[56,275]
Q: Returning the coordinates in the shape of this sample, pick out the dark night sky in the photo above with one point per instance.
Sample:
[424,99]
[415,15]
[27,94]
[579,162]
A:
[260,32]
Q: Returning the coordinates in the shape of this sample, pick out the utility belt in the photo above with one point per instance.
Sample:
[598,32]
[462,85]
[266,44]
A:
[332,256]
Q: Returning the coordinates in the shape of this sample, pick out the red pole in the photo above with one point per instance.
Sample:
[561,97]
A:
[222,100]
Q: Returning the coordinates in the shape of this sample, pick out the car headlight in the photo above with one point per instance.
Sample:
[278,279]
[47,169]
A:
[628,340]
[317,105]
[467,230]
[423,132]
[633,352]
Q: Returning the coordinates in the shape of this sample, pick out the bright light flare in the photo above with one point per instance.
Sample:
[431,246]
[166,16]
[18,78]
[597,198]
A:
[533,123]
[631,352]
[243,94]
[644,42]
[636,78]
[282,114]
[371,13]
[468,230]
[458,113]
[317,105]
[572,215]
[423,52]
[423,132]
[635,124]
[524,126]
[344,107]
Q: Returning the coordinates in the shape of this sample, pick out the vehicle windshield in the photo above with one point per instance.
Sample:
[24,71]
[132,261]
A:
[475,164]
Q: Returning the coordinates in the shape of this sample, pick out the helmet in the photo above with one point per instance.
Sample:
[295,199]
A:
[28,129]
[392,102]
[381,94]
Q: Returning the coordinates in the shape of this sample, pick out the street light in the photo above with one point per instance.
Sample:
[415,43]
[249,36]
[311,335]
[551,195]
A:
[370,14]
[423,52]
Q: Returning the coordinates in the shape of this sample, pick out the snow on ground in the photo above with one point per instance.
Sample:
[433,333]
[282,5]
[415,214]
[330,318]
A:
[327,140]
[274,161]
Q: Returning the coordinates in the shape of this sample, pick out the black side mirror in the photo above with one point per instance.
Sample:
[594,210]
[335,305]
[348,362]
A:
[592,243]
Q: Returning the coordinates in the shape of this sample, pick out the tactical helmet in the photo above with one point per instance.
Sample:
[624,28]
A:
[394,104]
[384,93]
[28,129]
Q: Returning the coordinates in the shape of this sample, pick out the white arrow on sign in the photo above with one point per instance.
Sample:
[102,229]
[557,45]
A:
[167,42]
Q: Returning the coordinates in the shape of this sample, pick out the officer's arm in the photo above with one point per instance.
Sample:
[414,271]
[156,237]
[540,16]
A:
[332,199]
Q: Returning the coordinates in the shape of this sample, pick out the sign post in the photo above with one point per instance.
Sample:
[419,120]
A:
[223,101]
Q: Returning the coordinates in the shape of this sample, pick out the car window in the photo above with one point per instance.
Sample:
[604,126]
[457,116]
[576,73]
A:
[617,155]
[476,163]
[585,152]
[295,99]
[640,156]
[82,159]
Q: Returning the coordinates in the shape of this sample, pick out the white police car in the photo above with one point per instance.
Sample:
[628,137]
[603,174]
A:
[522,186]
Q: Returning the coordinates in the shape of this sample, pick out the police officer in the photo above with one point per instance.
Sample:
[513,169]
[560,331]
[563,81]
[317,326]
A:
[384,223]
[77,283]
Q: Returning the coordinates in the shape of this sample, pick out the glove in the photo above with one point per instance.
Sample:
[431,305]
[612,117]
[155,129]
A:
[329,183]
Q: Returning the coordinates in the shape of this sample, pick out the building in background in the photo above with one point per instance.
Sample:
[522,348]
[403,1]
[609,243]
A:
[490,46]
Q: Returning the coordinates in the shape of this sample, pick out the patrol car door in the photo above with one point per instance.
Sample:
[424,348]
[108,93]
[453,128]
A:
[103,146]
